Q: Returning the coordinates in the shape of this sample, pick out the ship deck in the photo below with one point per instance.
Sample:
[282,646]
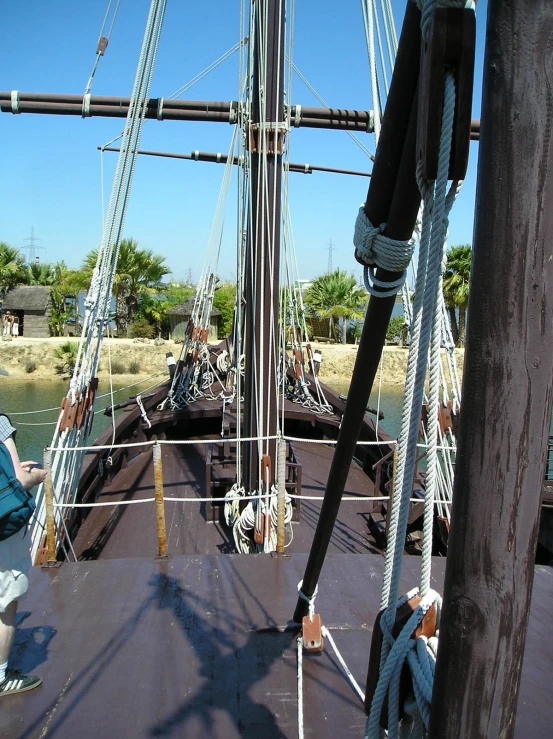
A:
[129,531]
[198,646]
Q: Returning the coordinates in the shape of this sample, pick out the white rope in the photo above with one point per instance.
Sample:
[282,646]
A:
[99,50]
[309,599]
[230,501]
[185,442]
[326,633]
[299,642]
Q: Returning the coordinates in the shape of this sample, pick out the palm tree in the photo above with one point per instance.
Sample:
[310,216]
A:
[456,288]
[336,295]
[146,271]
[12,267]
[138,273]
[40,274]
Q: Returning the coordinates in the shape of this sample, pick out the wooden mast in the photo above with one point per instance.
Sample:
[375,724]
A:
[507,386]
[265,139]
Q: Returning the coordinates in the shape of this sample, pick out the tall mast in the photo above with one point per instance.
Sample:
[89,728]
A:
[507,387]
[265,139]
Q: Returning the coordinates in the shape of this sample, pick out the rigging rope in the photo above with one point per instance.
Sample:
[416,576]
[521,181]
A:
[427,332]
[66,467]
[100,50]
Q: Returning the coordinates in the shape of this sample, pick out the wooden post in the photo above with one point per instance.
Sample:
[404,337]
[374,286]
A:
[281,499]
[507,386]
[160,509]
[49,508]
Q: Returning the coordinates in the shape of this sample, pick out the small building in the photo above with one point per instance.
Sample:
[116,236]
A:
[180,314]
[32,305]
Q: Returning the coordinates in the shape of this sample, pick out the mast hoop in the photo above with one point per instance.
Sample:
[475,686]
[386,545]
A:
[15,102]
[86,106]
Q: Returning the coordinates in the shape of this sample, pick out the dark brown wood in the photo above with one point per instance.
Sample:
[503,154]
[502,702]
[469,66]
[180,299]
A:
[508,376]
[450,47]
[219,158]
[195,110]
[191,647]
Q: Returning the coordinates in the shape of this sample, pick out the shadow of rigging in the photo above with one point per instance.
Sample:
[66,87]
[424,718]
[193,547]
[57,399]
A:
[228,670]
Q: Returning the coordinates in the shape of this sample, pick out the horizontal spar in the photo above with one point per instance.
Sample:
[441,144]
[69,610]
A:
[192,110]
[217,158]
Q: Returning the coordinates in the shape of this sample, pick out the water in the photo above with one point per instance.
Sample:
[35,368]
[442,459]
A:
[21,396]
[18,396]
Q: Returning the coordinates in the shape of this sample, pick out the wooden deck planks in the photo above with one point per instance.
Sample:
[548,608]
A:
[191,647]
[130,531]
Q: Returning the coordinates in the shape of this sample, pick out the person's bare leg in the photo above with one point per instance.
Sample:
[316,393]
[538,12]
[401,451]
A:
[7,631]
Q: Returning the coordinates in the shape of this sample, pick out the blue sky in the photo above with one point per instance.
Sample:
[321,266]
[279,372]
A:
[51,166]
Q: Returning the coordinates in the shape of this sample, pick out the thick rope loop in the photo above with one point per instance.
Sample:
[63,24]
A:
[375,249]
[371,283]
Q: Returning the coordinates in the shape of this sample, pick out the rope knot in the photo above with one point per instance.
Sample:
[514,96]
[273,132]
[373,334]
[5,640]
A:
[309,599]
[364,238]
[374,249]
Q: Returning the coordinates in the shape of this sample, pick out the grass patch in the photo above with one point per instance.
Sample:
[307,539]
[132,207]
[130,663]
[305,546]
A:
[117,367]
[134,367]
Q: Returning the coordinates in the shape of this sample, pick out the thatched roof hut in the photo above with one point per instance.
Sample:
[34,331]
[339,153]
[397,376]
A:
[32,304]
[180,314]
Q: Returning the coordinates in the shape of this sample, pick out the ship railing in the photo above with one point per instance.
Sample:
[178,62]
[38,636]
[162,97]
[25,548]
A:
[67,511]
[195,442]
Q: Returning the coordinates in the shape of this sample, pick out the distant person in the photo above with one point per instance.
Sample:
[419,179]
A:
[15,563]
[6,326]
[15,327]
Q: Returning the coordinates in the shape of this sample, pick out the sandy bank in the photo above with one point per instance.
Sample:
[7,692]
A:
[20,355]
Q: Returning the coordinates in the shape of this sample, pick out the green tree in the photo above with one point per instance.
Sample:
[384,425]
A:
[63,291]
[138,273]
[336,295]
[12,267]
[224,299]
[456,288]
[395,328]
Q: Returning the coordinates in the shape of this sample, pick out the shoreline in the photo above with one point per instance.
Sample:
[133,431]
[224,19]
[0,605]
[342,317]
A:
[19,354]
